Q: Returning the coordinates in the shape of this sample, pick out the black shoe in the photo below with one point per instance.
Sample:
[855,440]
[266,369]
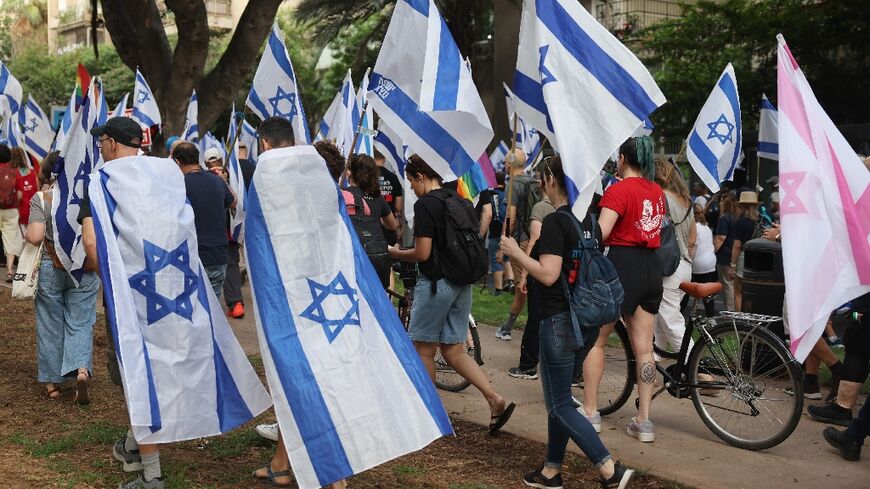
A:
[831,413]
[812,391]
[619,479]
[835,388]
[537,479]
[523,373]
[849,448]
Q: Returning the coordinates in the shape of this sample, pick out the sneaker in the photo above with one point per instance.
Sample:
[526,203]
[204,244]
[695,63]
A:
[268,431]
[131,459]
[812,391]
[509,287]
[526,374]
[831,413]
[849,448]
[237,311]
[642,431]
[506,336]
[594,420]
[619,479]
[834,341]
[537,479]
[140,483]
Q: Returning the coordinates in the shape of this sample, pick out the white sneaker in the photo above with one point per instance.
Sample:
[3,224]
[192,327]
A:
[594,419]
[268,431]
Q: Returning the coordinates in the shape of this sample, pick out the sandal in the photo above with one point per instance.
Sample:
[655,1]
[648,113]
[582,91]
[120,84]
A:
[500,420]
[270,477]
[9,277]
[82,395]
[53,393]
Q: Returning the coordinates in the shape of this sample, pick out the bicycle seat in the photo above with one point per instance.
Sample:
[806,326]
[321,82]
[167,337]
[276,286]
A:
[700,291]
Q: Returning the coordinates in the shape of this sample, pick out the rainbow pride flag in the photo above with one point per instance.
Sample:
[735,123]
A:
[83,81]
[479,178]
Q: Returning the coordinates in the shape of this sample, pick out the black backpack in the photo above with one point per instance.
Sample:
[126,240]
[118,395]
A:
[371,235]
[598,294]
[462,258]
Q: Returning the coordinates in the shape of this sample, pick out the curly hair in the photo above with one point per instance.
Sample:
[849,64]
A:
[364,172]
[334,159]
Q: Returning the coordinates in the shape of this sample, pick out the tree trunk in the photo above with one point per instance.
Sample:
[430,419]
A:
[507,35]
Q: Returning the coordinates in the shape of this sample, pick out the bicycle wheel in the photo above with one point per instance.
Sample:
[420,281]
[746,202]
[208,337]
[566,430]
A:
[743,399]
[445,377]
[619,373]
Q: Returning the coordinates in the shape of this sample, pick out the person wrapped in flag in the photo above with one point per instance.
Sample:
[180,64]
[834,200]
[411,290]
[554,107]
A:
[350,392]
[184,374]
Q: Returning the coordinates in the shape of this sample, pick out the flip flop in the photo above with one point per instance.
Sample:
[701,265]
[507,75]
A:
[499,421]
[82,395]
[9,277]
[270,477]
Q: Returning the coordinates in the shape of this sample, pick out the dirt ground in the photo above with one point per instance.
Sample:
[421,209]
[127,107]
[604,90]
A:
[54,443]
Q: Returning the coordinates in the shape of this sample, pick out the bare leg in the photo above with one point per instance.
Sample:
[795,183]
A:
[738,293]
[10,260]
[640,331]
[593,370]
[427,355]
[471,371]
[280,462]
[823,352]
[498,280]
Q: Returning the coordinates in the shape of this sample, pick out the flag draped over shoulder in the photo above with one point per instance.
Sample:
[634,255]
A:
[714,145]
[275,91]
[768,131]
[825,205]
[184,373]
[11,94]
[145,108]
[423,89]
[580,87]
[191,121]
[350,391]
[38,134]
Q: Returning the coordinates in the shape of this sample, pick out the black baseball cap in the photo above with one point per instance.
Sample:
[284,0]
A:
[124,130]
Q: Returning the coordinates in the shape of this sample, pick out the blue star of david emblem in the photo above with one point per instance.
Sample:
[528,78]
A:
[546,74]
[714,129]
[282,95]
[81,176]
[32,126]
[315,312]
[142,96]
[159,306]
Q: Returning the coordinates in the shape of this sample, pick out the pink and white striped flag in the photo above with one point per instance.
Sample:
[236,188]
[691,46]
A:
[825,206]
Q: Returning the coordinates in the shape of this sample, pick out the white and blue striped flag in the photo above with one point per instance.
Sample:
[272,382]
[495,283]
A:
[364,144]
[389,144]
[275,91]
[185,375]
[581,88]
[423,89]
[191,121]
[342,121]
[38,134]
[121,108]
[145,108]
[498,155]
[714,145]
[528,138]
[323,127]
[768,130]
[11,95]
[249,137]
[350,391]
[79,157]
[10,133]
[236,181]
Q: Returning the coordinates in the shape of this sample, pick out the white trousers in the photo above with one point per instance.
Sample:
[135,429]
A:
[670,324]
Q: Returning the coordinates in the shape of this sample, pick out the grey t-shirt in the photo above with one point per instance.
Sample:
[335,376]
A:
[682,225]
[38,214]
[541,210]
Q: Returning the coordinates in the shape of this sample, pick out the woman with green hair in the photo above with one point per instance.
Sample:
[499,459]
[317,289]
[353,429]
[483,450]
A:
[632,211]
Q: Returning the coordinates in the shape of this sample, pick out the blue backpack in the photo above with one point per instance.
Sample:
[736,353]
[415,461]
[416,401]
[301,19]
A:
[597,295]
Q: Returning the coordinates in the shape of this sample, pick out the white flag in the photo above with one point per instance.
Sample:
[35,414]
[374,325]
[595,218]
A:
[11,94]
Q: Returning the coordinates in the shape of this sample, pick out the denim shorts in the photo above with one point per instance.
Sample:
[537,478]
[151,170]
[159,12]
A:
[492,248]
[441,317]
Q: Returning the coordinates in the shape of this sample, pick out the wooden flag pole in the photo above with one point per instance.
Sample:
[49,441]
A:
[509,160]
[232,143]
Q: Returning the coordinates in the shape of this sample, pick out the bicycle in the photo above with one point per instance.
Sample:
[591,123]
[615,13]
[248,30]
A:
[445,377]
[745,374]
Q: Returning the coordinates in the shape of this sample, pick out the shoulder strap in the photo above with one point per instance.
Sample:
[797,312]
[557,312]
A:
[688,211]
[591,243]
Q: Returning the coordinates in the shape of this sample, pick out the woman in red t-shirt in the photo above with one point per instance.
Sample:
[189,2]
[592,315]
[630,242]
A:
[632,211]
[26,185]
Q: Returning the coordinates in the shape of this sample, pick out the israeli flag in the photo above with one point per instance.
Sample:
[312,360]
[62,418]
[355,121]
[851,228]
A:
[423,89]
[121,108]
[145,108]
[323,127]
[581,88]
[11,94]
[364,144]
[714,144]
[236,181]
[342,123]
[185,375]
[208,140]
[389,144]
[10,133]
[528,138]
[38,134]
[499,154]
[191,121]
[768,131]
[79,157]
[275,91]
[350,391]
[66,123]
[249,137]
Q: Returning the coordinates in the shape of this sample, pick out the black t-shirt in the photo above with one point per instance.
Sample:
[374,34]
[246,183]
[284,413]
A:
[862,306]
[744,229]
[559,237]
[210,197]
[725,227]
[429,223]
[391,188]
[247,171]
[494,197]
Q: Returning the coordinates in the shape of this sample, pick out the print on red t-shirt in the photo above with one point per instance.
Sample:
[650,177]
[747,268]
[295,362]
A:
[27,186]
[641,208]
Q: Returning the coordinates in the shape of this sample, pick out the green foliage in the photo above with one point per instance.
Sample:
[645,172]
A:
[100,433]
[829,39]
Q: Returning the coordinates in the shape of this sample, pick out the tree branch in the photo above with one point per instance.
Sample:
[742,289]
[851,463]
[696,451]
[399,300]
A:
[188,60]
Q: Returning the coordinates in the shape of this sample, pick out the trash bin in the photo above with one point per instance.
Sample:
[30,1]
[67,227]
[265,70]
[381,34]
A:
[764,280]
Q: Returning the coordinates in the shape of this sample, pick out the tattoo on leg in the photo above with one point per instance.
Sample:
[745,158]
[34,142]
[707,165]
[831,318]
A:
[648,372]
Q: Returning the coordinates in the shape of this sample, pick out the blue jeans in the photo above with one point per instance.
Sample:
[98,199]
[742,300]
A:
[65,316]
[492,245]
[561,360]
[216,275]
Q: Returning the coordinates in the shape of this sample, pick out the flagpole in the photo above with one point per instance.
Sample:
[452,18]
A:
[238,129]
[359,127]
[757,172]
[509,159]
